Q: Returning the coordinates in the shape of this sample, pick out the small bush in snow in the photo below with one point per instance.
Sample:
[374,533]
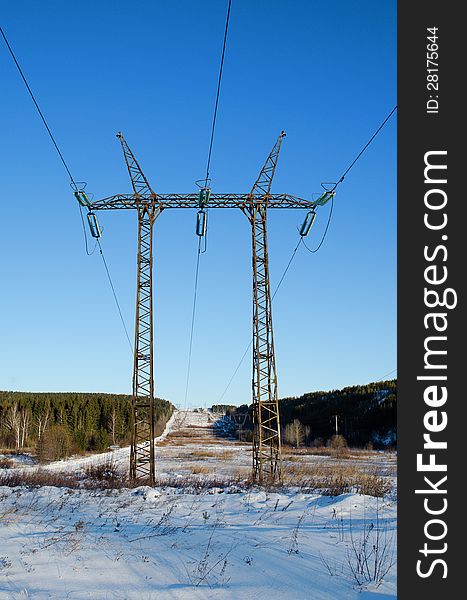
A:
[103,472]
[6,463]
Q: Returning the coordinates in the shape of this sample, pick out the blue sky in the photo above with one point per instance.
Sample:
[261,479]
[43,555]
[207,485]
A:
[323,72]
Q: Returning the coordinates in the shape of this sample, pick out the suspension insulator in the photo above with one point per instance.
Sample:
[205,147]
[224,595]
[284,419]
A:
[201,223]
[94,225]
[82,198]
[324,198]
[307,223]
[204,196]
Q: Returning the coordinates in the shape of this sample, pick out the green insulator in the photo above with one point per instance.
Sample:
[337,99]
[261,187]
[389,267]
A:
[82,198]
[322,200]
[204,196]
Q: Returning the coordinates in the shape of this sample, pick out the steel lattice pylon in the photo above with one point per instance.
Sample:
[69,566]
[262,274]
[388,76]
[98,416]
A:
[142,453]
[266,433]
[267,456]
[142,463]
[266,423]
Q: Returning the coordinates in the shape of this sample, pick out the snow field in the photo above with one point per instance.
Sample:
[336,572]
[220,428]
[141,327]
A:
[146,543]
[173,543]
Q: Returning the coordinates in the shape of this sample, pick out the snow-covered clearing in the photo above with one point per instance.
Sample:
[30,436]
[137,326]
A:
[173,543]
[198,445]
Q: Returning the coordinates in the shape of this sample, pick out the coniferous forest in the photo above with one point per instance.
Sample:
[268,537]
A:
[56,425]
[362,414]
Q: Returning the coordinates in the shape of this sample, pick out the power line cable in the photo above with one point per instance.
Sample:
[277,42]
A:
[114,294]
[85,235]
[286,269]
[192,328]
[342,179]
[221,68]
[208,165]
[364,148]
[386,374]
[251,341]
[221,397]
[37,107]
[54,142]
[324,234]
[302,241]
[73,182]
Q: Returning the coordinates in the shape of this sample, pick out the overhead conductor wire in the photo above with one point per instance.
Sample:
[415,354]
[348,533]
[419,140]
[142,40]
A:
[72,180]
[206,180]
[302,241]
[221,68]
[341,179]
[192,328]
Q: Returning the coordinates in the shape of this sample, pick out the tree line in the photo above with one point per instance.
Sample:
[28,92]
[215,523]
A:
[362,414]
[55,425]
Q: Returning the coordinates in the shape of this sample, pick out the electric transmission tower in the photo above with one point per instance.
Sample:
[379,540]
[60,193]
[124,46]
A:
[149,205]
[142,454]
[267,459]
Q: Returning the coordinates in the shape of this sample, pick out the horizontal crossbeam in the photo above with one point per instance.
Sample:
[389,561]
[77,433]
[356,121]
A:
[242,201]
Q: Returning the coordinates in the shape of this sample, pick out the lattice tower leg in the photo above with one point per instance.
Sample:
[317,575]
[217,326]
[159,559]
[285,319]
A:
[142,455]
[267,456]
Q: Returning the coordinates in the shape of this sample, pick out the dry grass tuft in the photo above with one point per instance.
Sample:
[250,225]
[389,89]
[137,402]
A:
[333,480]
[220,455]
[225,454]
[202,454]
[344,453]
[200,470]
[37,478]
[292,458]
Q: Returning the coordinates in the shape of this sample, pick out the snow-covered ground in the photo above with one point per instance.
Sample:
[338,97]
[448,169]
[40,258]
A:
[169,543]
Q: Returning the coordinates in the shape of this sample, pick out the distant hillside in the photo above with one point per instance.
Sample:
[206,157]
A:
[365,414]
[57,424]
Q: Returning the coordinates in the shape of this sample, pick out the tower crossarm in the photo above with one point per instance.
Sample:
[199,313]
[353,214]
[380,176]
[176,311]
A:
[131,201]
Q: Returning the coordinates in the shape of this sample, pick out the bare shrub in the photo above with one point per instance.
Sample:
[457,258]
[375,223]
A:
[6,463]
[38,478]
[241,473]
[56,444]
[334,484]
[371,484]
[103,472]
[295,433]
[337,442]
[294,546]
[371,556]
[296,472]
